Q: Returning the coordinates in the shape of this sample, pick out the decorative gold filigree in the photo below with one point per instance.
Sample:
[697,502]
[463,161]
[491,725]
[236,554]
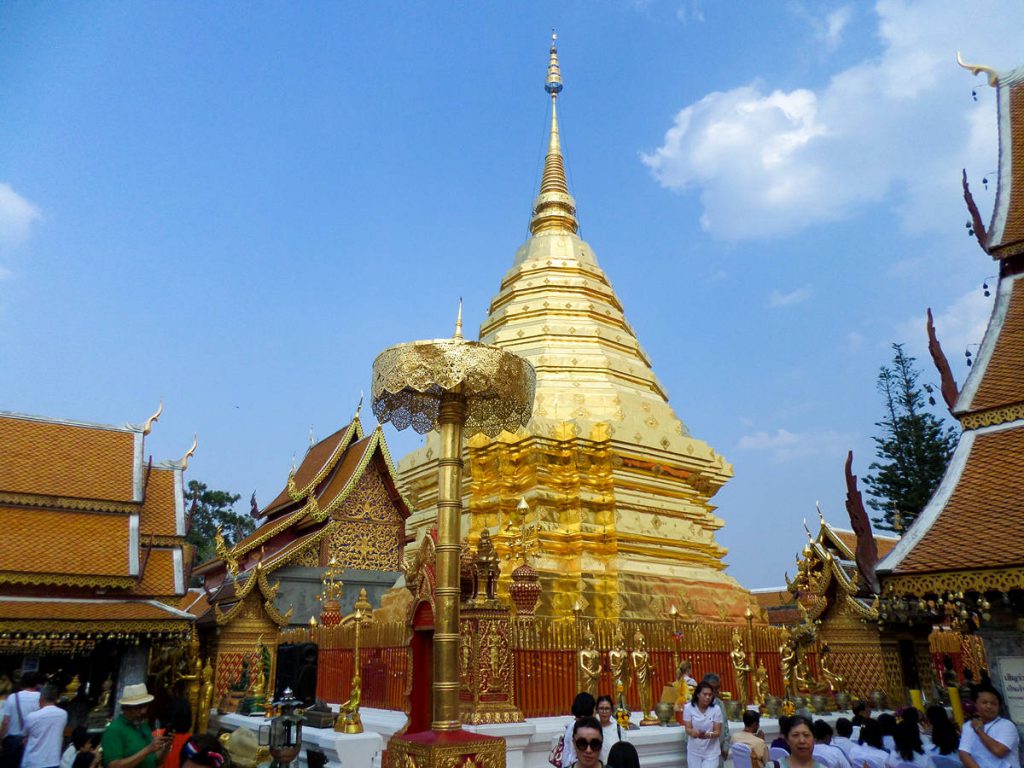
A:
[66,579]
[355,429]
[924,584]
[991,417]
[408,380]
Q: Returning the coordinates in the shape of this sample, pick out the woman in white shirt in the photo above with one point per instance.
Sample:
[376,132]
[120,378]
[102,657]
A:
[870,750]
[611,731]
[702,722]
[988,740]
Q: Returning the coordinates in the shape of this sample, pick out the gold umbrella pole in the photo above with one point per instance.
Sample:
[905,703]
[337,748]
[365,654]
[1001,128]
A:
[451,417]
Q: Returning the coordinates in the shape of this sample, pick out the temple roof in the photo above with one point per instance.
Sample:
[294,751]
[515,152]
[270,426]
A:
[973,526]
[67,459]
[82,512]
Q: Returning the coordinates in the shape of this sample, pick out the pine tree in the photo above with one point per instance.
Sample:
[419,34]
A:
[912,450]
[212,509]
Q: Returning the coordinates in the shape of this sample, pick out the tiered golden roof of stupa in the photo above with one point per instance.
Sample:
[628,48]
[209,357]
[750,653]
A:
[620,490]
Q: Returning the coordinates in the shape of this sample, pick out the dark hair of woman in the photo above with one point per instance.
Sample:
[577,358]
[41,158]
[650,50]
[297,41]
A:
[587,722]
[783,723]
[822,731]
[887,723]
[696,691]
[911,715]
[623,755]
[871,734]
[794,721]
[583,705]
[84,760]
[605,698]
[908,740]
[945,736]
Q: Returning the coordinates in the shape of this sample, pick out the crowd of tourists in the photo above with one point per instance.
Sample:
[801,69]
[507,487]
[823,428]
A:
[911,739]
[914,739]
[34,733]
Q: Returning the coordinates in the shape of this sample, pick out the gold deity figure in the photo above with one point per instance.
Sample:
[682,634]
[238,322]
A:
[494,659]
[742,668]
[642,669]
[205,700]
[485,566]
[589,664]
[760,683]
[618,661]
[832,678]
[787,662]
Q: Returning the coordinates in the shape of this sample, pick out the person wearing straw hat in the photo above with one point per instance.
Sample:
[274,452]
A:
[128,741]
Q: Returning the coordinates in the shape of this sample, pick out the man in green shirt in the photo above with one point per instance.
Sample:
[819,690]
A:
[128,741]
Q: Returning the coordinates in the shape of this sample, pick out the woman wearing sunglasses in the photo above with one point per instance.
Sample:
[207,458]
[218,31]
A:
[586,738]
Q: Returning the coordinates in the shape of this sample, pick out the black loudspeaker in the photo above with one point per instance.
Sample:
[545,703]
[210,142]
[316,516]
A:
[296,669]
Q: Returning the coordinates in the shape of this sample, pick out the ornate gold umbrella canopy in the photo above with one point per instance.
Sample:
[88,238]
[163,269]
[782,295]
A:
[452,385]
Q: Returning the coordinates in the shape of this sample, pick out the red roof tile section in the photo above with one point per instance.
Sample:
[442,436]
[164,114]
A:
[981,524]
[58,459]
[159,512]
[90,610]
[65,542]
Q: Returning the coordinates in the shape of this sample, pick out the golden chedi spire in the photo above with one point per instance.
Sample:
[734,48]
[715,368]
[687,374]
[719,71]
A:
[554,209]
[621,492]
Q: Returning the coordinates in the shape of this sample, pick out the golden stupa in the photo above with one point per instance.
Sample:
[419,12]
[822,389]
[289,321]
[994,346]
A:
[620,521]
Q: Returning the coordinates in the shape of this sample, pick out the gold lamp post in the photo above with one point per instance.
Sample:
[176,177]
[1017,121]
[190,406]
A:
[455,386]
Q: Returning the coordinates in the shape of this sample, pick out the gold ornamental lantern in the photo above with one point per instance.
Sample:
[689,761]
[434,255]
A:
[455,386]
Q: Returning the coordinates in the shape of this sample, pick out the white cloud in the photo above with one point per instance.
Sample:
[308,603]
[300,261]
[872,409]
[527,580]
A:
[690,11]
[831,33]
[779,300]
[5,273]
[16,216]
[784,446]
[958,326]
[854,340]
[769,162]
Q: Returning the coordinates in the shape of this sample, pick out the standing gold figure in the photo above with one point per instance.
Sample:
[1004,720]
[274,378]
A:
[787,663]
[618,661]
[642,668]
[760,683]
[205,700]
[742,668]
[589,664]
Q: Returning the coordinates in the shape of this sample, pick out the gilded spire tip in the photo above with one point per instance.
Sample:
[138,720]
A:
[554,209]
[458,322]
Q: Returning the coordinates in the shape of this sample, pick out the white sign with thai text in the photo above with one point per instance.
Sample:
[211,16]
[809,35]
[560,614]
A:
[1011,677]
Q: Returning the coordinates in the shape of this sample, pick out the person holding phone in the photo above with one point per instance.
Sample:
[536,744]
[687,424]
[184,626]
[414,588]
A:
[128,741]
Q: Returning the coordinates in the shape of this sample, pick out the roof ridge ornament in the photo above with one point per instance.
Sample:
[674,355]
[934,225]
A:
[148,426]
[190,452]
[993,76]
[458,322]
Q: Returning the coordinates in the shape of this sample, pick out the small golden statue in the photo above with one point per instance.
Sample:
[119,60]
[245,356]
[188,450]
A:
[787,663]
[349,720]
[485,567]
[205,700]
[589,664]
[642,669]
[742,668]
[832,678]
[618,661]
[760,683]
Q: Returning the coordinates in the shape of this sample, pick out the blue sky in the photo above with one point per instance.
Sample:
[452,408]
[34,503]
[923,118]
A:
[235,207]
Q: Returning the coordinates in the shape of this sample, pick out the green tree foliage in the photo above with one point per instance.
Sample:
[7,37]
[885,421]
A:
[913,448]
[212,509]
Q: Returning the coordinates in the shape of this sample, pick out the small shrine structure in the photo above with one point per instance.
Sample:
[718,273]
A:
[341,507]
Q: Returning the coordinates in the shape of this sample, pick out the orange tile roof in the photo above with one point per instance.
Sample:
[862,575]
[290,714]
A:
[345,470]
[774,598]
[159,513]
[86,610]
[981,524]
[53,458]
[849,540]
[1012,144]
[1003,379]
[158,575]
[64,541]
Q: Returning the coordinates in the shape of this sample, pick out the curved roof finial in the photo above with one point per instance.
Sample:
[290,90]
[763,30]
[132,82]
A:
[148,426]
[554,209]
[190,452]
[359,405]
[993,76]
